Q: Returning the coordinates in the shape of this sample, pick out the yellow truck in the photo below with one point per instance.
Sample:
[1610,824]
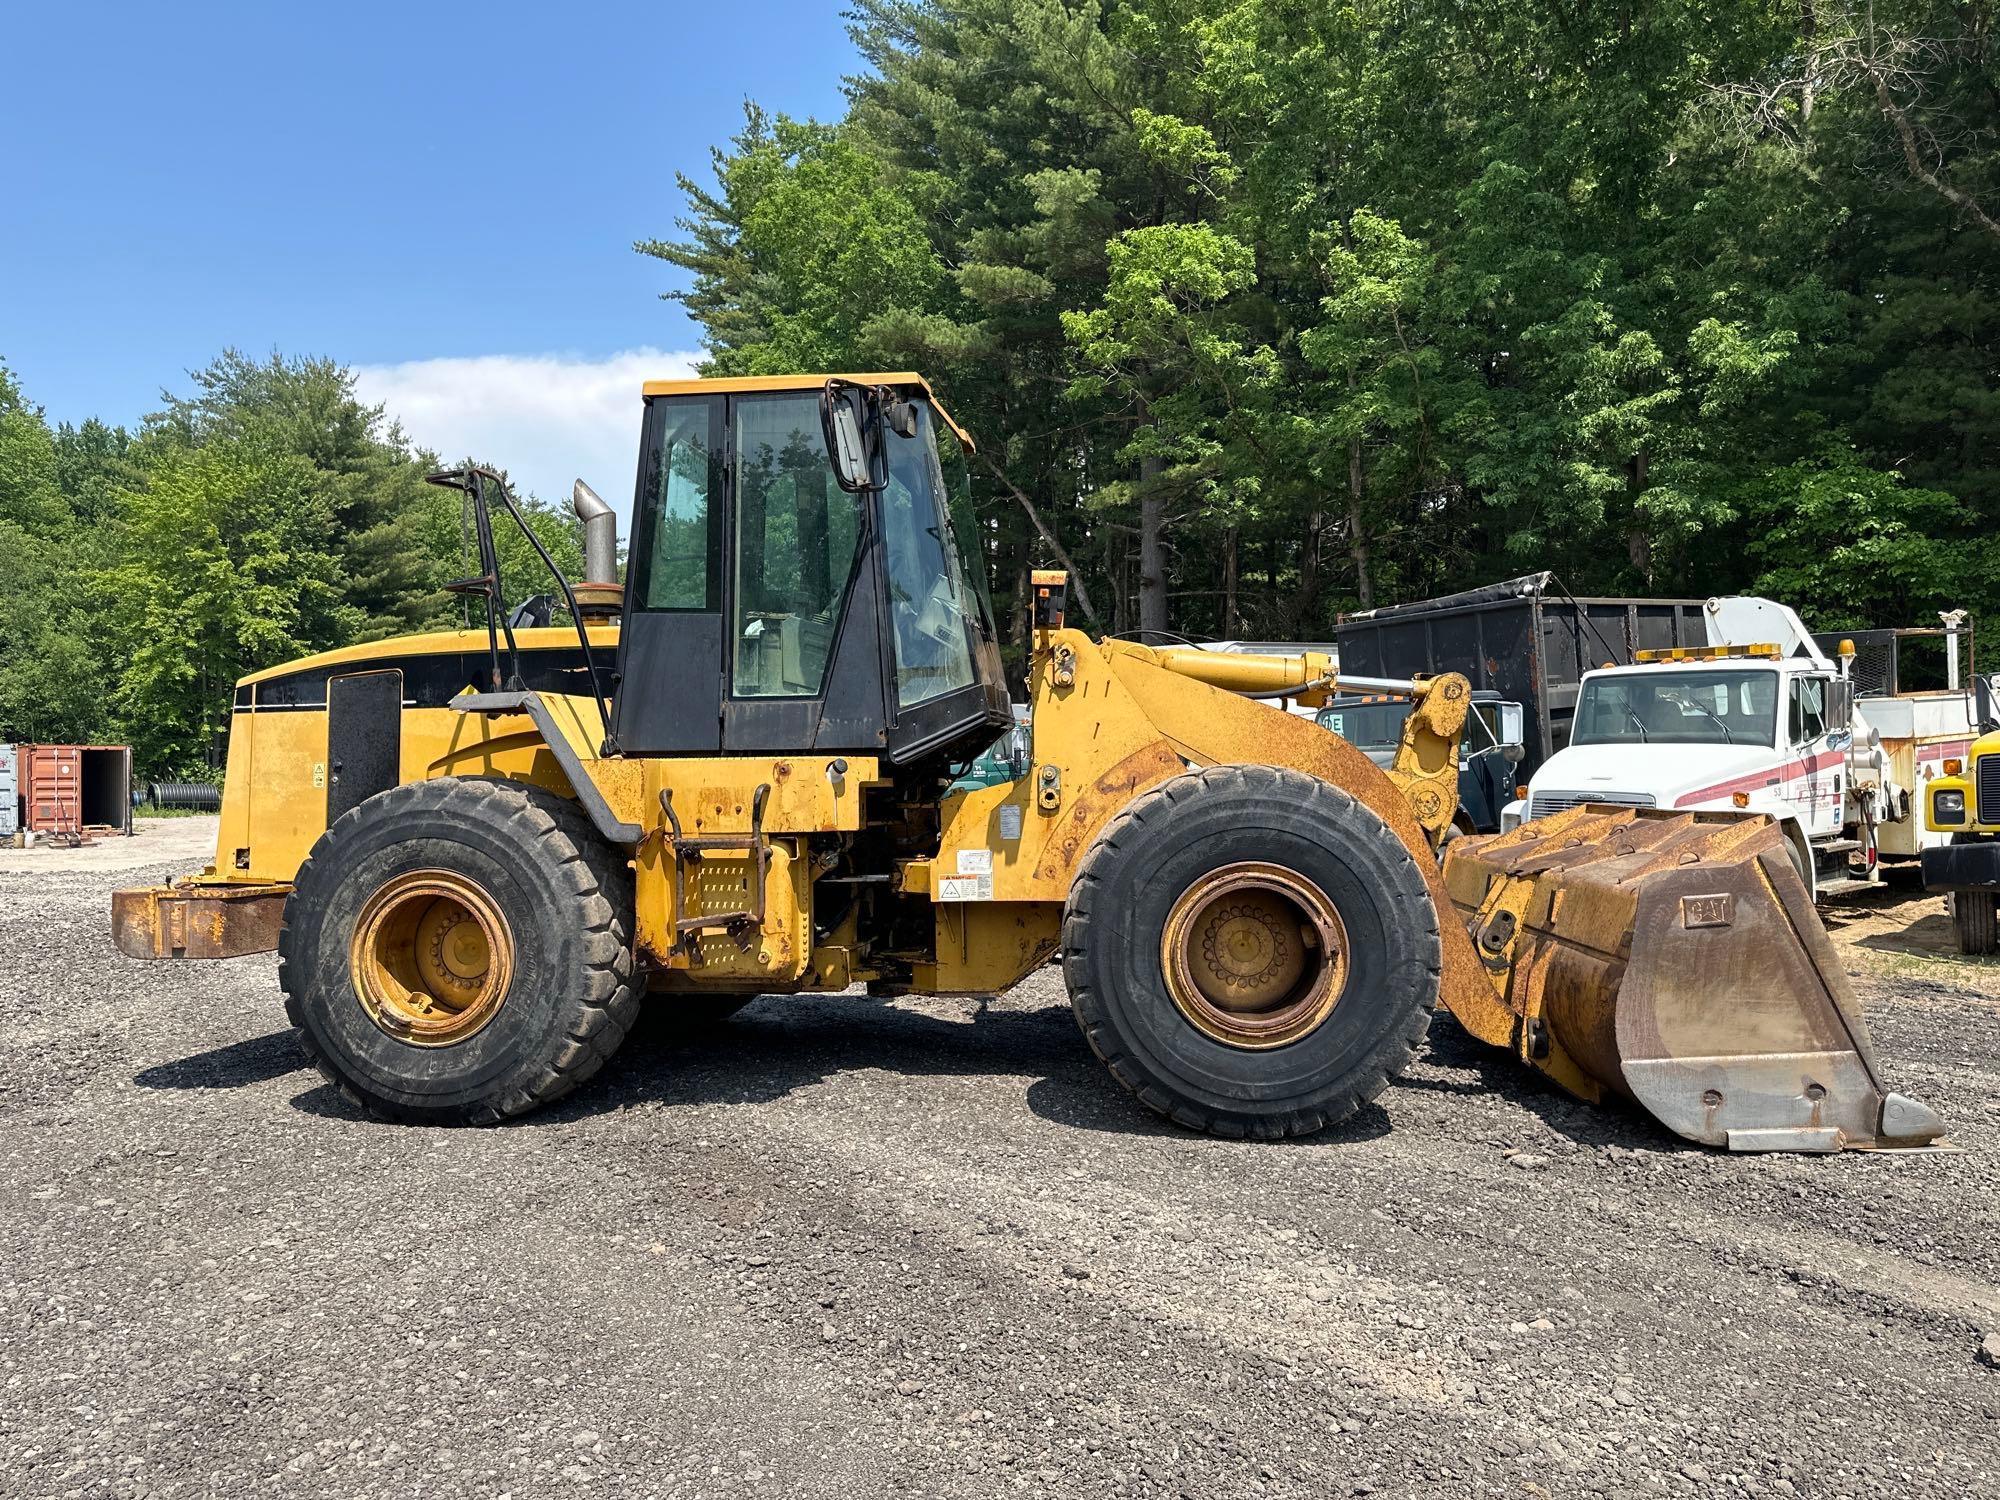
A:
[1964,804]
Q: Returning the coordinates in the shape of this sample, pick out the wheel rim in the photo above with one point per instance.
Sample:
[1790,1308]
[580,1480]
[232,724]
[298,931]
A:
[431,957]
[1255,955]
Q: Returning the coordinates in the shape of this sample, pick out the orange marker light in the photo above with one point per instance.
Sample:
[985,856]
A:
[1953,766]
[1741,799]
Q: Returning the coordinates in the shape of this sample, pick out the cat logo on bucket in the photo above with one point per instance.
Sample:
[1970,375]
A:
[1708,911]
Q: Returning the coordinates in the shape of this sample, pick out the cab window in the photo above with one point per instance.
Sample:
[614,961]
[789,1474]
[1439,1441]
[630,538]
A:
[1367,726]
[795,548]
[930,608]
[677,542]
[1659,706]
[1808,709]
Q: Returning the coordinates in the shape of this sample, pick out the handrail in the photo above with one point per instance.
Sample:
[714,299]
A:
[474,481]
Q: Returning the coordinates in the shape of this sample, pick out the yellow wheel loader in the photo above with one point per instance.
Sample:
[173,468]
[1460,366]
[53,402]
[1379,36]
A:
[476,853]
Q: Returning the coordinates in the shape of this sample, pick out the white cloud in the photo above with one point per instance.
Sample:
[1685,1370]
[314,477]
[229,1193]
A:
[546,419]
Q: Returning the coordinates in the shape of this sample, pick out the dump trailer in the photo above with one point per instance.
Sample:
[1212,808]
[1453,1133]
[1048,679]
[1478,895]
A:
[475,852]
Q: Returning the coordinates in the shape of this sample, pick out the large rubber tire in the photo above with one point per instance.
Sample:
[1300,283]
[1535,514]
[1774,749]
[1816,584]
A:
[1973,914]
[1199,822]
[567,899]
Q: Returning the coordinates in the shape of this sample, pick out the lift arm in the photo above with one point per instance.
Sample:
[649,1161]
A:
[1425,767]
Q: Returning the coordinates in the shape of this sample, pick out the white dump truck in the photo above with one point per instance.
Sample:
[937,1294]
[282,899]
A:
[1762,720]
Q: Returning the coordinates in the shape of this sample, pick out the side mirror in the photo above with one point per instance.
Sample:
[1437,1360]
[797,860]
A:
[1839,703]
[846,438]
[851,451]
[1512,723]
[1514,754]
[1982,705]
[899,416]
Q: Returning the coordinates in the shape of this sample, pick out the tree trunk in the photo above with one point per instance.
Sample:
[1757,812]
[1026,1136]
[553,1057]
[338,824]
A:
[1639,546]
[1305,604]
[1018,616]
[1808,83]
[1357,530]
[1114,569]
[1152,552]
[1077,591]
[1232,617]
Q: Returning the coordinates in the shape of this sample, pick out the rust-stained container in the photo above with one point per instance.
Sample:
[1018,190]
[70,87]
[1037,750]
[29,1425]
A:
[52,788]
[68,788]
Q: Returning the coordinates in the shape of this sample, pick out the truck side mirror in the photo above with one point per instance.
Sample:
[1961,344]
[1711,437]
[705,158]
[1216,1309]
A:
[1021,755]
[1983,710]
[1839,703]
[1512,723]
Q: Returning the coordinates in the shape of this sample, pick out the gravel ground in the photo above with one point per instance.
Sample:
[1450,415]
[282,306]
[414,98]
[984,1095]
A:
[838,1247]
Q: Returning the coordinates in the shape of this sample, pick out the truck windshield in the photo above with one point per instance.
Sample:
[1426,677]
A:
[1678,708]
[935,617]
[1366,726]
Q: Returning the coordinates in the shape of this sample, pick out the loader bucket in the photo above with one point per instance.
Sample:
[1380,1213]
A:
[1675,958]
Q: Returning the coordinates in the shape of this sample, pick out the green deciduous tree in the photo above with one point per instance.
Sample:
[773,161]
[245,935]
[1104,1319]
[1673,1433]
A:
[230,565]
[52,686]
[267,514]
[1262,311]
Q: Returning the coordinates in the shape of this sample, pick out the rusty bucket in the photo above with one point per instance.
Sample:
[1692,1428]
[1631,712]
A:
[1675,958]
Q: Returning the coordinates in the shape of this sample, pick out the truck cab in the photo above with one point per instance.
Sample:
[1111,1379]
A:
[1717,728]
[1962,807]
[1489,751]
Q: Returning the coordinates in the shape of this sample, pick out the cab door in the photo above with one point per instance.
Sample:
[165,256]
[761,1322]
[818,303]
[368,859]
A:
[670,664]
[1814,773]
[803,659]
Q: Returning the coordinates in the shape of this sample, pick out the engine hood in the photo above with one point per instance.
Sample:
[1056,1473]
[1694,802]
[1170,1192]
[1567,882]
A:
[1669,774]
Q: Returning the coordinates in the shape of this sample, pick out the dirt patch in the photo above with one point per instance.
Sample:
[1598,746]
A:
[851,1248]
[1905,930]
[189,841]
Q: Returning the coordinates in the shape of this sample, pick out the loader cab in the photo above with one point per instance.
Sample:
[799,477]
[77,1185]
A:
[775,606]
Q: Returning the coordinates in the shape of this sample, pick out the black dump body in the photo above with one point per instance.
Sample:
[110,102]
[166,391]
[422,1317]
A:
[1527,639]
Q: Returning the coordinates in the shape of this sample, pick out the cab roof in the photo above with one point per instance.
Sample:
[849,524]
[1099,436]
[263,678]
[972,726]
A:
[733,385]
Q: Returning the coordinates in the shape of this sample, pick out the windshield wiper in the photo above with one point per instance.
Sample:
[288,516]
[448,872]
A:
[1638,724]
[1728,738]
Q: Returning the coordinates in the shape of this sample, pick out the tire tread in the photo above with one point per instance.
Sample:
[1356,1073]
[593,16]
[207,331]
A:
[1362,1085]
[577,861]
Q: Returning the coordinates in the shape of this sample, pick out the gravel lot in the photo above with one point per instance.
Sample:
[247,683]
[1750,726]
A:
[838,1247]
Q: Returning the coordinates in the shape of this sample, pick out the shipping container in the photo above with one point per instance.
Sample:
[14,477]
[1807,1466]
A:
[107,787]
[68,788]
[10,791]
[1526,639]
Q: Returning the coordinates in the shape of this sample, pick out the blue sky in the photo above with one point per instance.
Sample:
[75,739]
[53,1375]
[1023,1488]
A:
[442,195]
